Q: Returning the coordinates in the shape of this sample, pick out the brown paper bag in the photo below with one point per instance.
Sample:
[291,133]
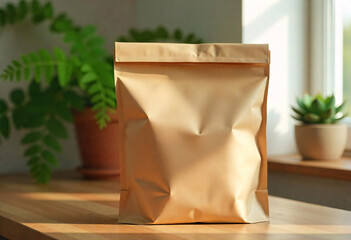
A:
[192,132]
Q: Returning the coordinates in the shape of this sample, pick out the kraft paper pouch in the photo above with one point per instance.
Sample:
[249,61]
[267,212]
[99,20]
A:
[192,132]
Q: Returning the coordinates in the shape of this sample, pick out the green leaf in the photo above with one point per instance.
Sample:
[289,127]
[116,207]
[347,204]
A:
[37,12]
[64,112]
[56,128]
[190,38]
[25,59]
[41,172]
[33,161]
[146,36]
[62,70]
[33,57]
[22,10]
[87,30]
[18,75]
[95,41]
[89,77]
[16,63]
[327,115]
[70,36]
[33,121]
[301,104]
[2,18]
[298,118]
[178,34]
[26,70]
[99,106]
[5,126]
[110,92]
[62,74]
[307,100]
[311,118]
[122,39]
[162,32]
[86,68]
[34,89]
[97,52]
[77,47]
[340,107]
[10,13]
[52,143]
[59,54]
[49,157]
[102,119]
[35,7]
[31,137]
[37,68]
[96,98]
[48,11]
[111,102]
[317,106]
[3,106]
[135,35]
[74,99]
[34,149]
[49,69]
[94,88]
[9,71]
[61,23]
[107,79]
[330,101]
[17,96]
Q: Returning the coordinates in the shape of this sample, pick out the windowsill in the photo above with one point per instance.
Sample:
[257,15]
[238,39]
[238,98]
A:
[337,169]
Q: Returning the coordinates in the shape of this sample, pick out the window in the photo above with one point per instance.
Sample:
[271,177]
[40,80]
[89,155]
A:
[331,51]
[346,21]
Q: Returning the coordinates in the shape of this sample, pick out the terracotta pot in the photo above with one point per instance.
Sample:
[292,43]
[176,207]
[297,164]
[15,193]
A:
[321,141]
[98,148]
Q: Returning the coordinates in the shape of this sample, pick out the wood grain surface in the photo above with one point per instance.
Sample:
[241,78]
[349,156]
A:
[336,169]
[71,208]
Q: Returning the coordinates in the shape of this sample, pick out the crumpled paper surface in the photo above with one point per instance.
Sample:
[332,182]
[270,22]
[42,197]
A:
[192,132]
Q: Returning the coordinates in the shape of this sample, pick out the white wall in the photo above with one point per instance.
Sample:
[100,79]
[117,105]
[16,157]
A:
[283,24]
[214,21]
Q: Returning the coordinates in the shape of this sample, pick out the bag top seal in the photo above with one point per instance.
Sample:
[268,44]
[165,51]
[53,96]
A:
[175,52]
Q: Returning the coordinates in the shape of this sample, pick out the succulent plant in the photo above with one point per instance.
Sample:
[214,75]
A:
[318,110]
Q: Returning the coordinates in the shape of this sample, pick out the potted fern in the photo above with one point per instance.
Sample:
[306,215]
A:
[320,136]
[67,87]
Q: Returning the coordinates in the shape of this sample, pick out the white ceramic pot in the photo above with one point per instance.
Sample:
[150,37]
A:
[321,141]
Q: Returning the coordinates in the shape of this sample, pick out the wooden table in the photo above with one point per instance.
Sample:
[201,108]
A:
[71,208]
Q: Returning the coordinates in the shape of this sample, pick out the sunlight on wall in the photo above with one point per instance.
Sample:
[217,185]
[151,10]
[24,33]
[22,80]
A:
[281,24]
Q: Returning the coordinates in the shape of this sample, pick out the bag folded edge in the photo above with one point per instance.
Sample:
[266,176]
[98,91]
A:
[177,52]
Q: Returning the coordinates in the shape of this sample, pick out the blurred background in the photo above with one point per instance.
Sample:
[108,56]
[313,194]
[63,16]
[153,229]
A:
[281,23]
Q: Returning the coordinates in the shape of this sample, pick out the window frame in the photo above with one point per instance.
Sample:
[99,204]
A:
[326,34]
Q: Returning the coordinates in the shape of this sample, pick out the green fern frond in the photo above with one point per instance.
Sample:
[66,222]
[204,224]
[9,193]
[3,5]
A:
[4,120]
[17,12]
[43,113]
[100,88]
[41,65]
[96,74]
